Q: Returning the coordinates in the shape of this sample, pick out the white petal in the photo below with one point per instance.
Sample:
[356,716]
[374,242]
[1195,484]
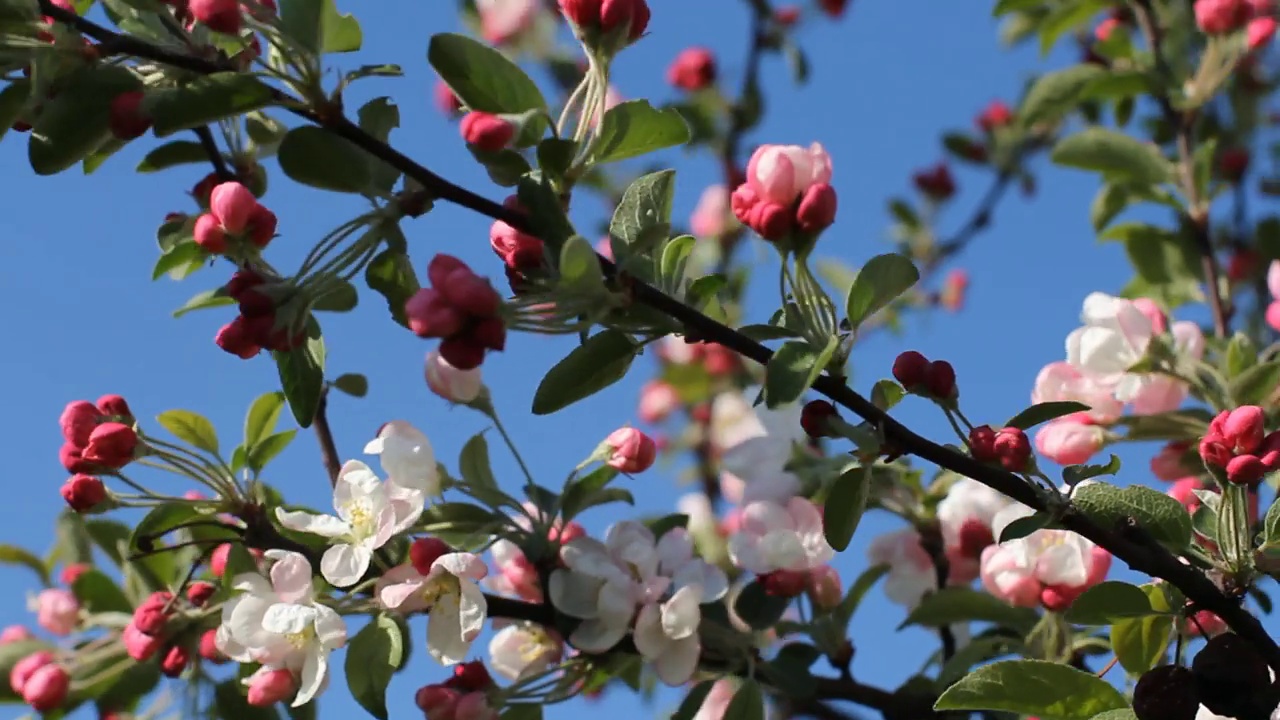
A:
[331,630]
[575,594]
[444,632]
[323,525]
[599,635]
[472,608]
[407,457]
[675,548]
[313,672]
[286,619]
[679,662]
[291,576]
[461,564]
[681,615]
[744,551]
[649,638]
[343,565]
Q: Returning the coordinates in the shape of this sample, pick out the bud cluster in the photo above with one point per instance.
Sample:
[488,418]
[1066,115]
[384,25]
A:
[462,309]
[1237,445]
[257,327]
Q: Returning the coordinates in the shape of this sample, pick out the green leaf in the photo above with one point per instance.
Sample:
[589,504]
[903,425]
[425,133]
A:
[180,261]
[1254,385]
[1055,94]
[1160,515]
[692,702]
[643,216]
[859,589]
[353,384]
[879,283]
[177,152]
[961,604]
[262,417]
[580,267]
[74,124]
[1140,643]
[1175,425]
[758,609]
[483,78]
[1004,7]
[747,702]
[205,100]
[1241,355]
[1044,412]
[1074,474]
[885,394]
[1119,157]
[1024,526]
[378,118]
[764,333]
[1048,690]
[341,31]
[314,156]
[373,656]
[473,464]
[203,301]
[391,274]
[635,128]
[1107,602]
[14,555]
[272,445]
[591,491]
[192,428]
[340,296]
[1065,17]
[13,100]
[1270,525]
[1121,714]
[99,594]
[793,369]
[302,375]
[593,366]
[522,711]
[845,505]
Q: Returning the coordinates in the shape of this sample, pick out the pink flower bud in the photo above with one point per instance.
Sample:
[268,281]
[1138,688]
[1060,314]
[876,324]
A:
[1245,469]
[817,208]
[711,214]
[781,174]
[78,420]
[126,119]
[71,572]
[571,531]
[940,379]
[1070,440]
[83,492]
[936,182]
[470,293]
[425,551]
[632,450]
[1204,623]
[517,250]
[475,706]
[658,399]
[1220,16]
[1260,31]
[1105,28]
[471,676]
[995,115]
[1243,428]
[693,69]
[431,316]
[437,702]
[218,15]
[262,226]
[448,103]
[910,369]
[784,583]
[462,353]
[175,660]
[209,235]
[26,667]
[770,220]
[1152,312]
[13,634]
[237,338]
[953,290]
[486,132]
[114,406]
[1167,464]
[814,417]
[1184,492]
[111,444]
[232,204]
[47,688]
[268,687]
[450,383]
[57,611]
[209,647]
[825,590]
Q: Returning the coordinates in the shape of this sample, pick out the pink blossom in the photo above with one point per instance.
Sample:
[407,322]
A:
[57,610]
[777,536]
[717,701]
[268,687]
[450,383]
[515,576]
[502,20]
[658,399]
[911,571]
[1167,464]
[965,517]
[15,633]
[1070,439]
[630,451]
[1160,393]
[781,173]
[1061,382]
[712,213]
[1047,567]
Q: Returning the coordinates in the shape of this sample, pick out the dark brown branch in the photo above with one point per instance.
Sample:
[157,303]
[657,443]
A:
[1136,549]
[932,543]
[215,155]
[328,449]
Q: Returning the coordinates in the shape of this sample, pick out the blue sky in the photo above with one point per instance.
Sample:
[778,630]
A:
[84,319]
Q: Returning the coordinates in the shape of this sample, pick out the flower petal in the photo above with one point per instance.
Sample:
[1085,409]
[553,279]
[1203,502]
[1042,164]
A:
[322,525]
[290,576]
[314,669]
[444,632]
[462,565]
[679,662]
[331,630]
[681,614]
[343,565]
[575,594]
[649,638]
[287,619]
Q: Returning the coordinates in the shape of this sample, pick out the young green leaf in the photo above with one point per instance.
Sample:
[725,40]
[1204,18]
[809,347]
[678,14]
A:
[314,156]
[845,505]
[593,366]
[190,427]
[374,655]
[1044,412]
[205,100]
[483,78]
[878,283]
[302,375]
[1048,690]
[1119,157]
[635,128]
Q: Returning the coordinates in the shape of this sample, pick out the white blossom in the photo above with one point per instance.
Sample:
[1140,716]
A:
[449,593]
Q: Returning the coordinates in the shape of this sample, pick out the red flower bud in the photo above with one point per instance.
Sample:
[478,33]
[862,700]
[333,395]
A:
[995,115]
[693,69]
[490,334]
[431,316]
[462,353]
[1013,448]
[814,417]
[935,182]
[26,667]
[817,208]
[71,458]
[608,16]
[486,132]
[83,492]
[471,676]
[270,687]
[175,660]
[71,572]
[448,102]
[425,551]
[218,15]
[834,8]
[1245,469]
[470,293]
[139,645]
[1259,32]
[209,235]
[437,701]
[198,593]
[232,204]
[238,339]
[242,280]
[111,444]
[910,369]
[126,118]
[262,226]
[982,443]
[1233,163]
[114,406]
[940,378]
[47,688]
[209,648]
[784,583]
[78,420]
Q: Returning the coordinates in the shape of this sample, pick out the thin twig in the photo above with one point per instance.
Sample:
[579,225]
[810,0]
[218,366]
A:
[328,449]
[215,155]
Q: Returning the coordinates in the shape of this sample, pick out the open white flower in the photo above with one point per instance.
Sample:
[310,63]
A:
[757,444]
[407,459]
[368,516]
[524,649]
[455,603]
[603,584]
[279,624]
